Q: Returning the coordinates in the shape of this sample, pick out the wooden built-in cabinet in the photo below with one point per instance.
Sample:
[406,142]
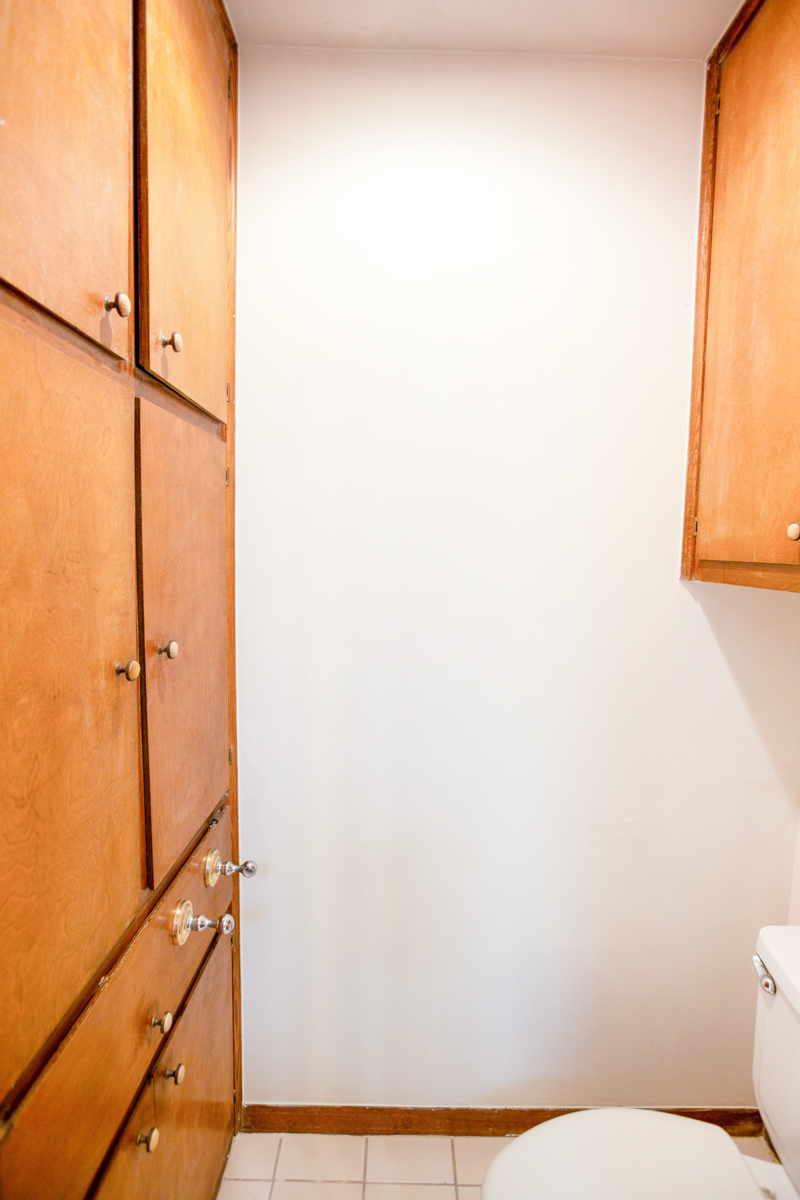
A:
[743,495]
[117,703]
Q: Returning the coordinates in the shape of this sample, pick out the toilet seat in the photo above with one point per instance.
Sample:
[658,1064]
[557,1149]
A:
[621,1154]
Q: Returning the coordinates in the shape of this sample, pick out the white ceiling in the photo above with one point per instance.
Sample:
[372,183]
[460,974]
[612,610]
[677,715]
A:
[640,28]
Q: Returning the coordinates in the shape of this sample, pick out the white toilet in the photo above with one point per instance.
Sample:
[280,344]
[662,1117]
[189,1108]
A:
[638,1154]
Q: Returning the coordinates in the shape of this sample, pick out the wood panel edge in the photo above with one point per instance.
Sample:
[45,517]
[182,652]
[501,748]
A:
[735,30]
[777,577]
[230,462]
[708,168]
[380,1120]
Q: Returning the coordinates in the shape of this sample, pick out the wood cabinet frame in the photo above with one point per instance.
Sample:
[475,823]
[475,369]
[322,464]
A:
[142,384]
[775,576]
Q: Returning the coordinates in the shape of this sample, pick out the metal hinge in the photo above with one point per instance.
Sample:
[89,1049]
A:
[227,476]
[230,754]
[230,93]
[695,527]
[717,98]
[228,390]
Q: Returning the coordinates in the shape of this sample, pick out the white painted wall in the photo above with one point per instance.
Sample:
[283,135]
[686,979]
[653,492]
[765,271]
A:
[520,798]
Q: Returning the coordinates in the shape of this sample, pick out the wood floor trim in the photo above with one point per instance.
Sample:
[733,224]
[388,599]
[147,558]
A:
[375,1120]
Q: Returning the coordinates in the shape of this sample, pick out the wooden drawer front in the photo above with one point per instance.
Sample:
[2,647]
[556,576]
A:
[183,516]
[195,1118]
[66,157]
[76,1107]
[133,1173]
[185,197]
[69,732]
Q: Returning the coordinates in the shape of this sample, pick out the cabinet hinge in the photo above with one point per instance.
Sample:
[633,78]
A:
[230,754]
[228,390]
[717,99]
[230,92]
[695,527]
[227,476]
[5,1129]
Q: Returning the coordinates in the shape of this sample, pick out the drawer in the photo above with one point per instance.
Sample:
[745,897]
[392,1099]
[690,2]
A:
[194,1117]
[76,1107]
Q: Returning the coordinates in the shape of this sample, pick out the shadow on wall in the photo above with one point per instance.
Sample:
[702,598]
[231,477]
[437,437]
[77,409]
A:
[764,662]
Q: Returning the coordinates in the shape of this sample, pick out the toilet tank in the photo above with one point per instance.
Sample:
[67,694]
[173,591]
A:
[776,1056]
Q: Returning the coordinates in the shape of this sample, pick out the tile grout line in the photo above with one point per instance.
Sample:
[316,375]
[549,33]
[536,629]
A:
[455,1168]
[364,1180]
[275,1168]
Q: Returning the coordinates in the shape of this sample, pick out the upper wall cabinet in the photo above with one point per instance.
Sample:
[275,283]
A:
[185,199]
[743,497]
[66,152]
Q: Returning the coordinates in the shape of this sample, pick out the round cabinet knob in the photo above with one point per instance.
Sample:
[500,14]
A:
[131,670]
[175,340]
[163,1023]
[149,1140]
[180,922]
[212,868]
[120,302]
[246,869]
[169,648]
[794,532]
[177,1075]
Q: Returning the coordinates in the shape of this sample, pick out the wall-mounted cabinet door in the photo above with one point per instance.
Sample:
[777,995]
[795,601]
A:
[195,1117]
[747,508]
[183,498]
[72,826]
[66,153]
[184,198]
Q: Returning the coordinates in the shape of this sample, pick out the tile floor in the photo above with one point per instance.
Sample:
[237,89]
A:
[295,1166]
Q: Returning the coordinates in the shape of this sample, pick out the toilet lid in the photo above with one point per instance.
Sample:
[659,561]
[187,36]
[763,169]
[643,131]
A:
[621,1154]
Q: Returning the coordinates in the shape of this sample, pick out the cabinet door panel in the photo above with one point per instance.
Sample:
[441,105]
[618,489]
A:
[195,1119]
[66,152]
[749,489]
[184,197]
[69,726]
[183,510]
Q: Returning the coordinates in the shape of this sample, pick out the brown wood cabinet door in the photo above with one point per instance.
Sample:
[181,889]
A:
[134,1172]
[195,1117]
[184,197]
[183,512]
[69,725]
[66,152]
[749,487]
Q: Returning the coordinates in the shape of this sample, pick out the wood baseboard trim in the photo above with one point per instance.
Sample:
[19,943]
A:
[375,1120]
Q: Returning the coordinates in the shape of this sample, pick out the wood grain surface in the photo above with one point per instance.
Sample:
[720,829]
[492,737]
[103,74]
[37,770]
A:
[77,1105]
[184,214]
[134,1173]
[183,523]
[66,151]
[69,733]
[749,489]
[195,1120]
[375,1120]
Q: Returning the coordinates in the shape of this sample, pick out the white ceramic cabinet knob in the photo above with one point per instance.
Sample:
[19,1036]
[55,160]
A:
[794,531]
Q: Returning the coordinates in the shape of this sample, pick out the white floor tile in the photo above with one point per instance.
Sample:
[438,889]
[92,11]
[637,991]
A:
[293,1190]
[253,1156]
[321,1156]
[409,1191]
[244,1189]
[473,1155]
[409,1160]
